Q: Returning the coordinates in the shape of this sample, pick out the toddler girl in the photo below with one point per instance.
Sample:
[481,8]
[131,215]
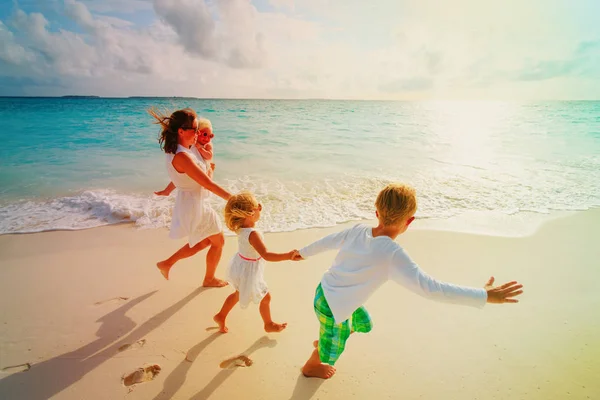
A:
[247,265]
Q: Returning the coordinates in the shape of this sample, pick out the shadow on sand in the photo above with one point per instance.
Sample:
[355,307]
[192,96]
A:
[177,378]
[306,388]
[47,378]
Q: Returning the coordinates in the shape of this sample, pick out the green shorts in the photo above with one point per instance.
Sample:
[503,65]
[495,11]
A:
[332,336]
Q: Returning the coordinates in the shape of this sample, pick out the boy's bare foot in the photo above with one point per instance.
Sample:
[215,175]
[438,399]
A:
[221,322]
[314,368]
[164,268]
[214,282]
[318,370]
[273,327]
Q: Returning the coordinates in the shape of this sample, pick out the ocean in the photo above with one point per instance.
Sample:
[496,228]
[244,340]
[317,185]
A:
[496,168]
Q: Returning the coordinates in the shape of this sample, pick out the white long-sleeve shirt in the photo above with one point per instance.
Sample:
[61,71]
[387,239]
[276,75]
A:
[365,262]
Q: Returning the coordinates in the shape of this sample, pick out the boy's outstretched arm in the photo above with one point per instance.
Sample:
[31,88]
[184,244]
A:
[503,293]
[330,242]
[408,274]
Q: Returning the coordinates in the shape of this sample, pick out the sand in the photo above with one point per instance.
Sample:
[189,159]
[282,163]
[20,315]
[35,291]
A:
[86,315]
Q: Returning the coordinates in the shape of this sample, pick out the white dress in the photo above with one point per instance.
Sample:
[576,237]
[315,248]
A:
[246,270]
[192,216]
[196,152]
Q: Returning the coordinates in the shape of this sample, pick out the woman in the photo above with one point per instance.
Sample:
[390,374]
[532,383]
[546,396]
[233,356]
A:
[192,215]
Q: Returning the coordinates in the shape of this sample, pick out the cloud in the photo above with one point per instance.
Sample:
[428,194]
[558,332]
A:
[192,22]
[10,51]
[547,70]
[64,51]
[116,48]
[404,85]
[582,63]
[313,48]
[234,39]
[283,4]
[119,6]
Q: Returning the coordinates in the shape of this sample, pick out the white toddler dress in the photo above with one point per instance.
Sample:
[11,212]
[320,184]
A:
[192,216]
[246,270]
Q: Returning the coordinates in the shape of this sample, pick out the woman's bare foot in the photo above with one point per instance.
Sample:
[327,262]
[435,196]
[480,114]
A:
[273,327]
[164,268]
[221,322]
[214,282]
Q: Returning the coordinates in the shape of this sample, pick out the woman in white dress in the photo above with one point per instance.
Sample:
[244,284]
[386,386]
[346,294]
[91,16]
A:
[192,216]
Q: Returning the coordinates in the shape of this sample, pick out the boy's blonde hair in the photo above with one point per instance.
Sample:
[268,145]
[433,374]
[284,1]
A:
[238,208]
[204,123]
[395,203]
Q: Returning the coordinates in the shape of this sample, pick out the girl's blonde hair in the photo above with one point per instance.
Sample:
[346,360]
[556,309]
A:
[204,123]
[238,208]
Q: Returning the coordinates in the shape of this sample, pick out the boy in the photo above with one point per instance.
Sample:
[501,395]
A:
[368,257]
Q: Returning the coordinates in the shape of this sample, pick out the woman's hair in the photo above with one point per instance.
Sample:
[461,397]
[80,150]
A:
[170,124]
[238,207]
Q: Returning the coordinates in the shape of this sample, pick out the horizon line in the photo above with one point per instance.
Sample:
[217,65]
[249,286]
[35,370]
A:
[284,98]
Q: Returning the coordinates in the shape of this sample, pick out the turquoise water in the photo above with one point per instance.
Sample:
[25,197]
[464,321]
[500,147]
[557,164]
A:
[489,167]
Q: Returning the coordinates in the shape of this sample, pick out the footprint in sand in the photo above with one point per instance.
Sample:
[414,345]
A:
[140,343]
[17,368]
[119,298]
[234,362]
[141,375]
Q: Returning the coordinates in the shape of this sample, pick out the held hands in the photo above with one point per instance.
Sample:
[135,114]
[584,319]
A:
[504,293]
[295,255]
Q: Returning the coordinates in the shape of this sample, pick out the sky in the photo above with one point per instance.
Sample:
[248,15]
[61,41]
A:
[338,49]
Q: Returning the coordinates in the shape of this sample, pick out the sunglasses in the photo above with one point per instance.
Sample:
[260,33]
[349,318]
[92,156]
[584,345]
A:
[205,134]
[191,129]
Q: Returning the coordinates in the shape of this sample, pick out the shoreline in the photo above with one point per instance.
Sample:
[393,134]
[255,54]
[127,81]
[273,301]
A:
[523,224]
[85,309]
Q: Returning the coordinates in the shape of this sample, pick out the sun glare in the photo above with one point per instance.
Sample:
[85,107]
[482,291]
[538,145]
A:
[468,130]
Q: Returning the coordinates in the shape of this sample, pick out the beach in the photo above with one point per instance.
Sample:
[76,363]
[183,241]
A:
[128,123]
[81,309]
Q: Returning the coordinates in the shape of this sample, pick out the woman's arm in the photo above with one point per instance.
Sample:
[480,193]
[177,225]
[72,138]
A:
[183,163]
[166,191]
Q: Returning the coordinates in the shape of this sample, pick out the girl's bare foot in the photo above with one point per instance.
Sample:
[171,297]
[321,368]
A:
[221,322]
[214,282]
[273,327]
[164,268]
